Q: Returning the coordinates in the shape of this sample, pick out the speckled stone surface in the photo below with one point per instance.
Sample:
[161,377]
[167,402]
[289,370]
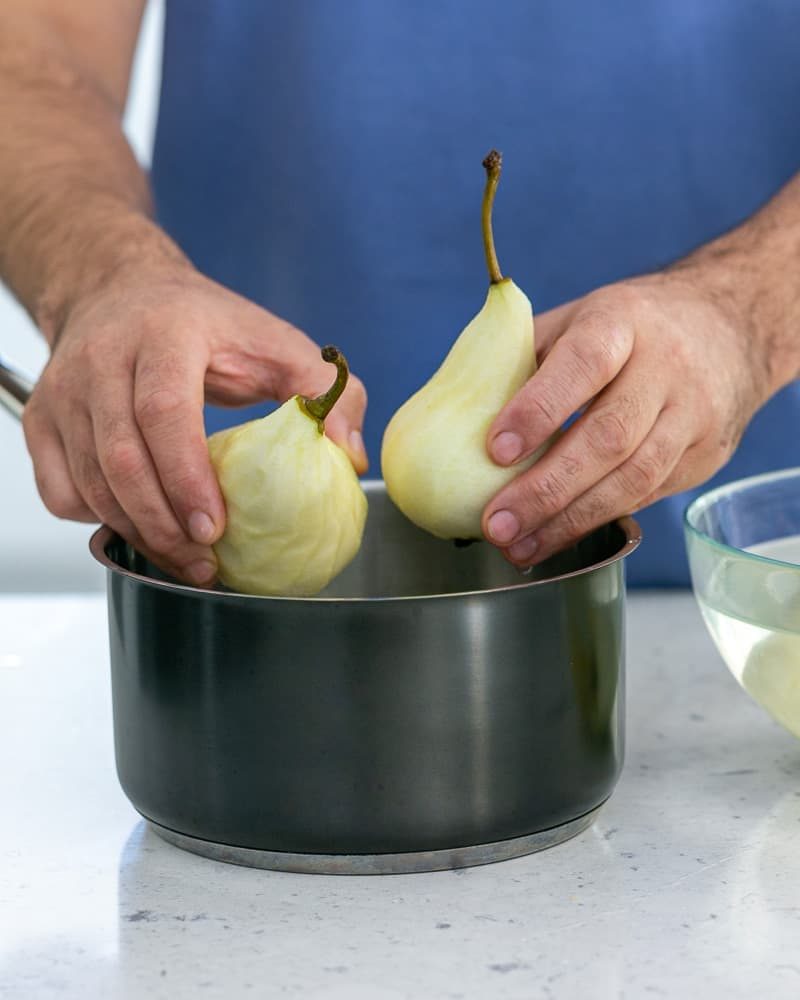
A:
[687,886]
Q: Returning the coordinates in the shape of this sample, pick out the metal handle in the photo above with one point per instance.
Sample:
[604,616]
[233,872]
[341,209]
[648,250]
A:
[15,390]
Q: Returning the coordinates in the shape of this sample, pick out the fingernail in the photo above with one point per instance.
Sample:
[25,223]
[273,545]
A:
[356,442]
[503,526]
[201,571]
[524,549]
[201,527]
[507,447]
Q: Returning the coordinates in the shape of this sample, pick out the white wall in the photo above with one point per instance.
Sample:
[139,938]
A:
[37,551]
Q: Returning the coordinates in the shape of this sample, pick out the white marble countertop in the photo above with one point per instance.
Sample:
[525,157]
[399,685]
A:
[687,886]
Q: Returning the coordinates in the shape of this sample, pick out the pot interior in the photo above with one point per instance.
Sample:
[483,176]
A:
[397,559]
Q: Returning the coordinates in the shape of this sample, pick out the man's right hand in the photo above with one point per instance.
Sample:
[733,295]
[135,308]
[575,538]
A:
[141,340]
[115,424]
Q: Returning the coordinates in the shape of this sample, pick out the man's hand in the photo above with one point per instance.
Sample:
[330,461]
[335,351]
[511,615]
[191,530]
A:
[115,424]
[667,373]
[139,338]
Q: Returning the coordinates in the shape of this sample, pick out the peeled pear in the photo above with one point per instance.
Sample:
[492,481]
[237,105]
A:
[771,675]
[296,510]
[434,458]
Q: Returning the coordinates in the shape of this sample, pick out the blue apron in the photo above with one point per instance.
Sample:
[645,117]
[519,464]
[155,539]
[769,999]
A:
[323,159]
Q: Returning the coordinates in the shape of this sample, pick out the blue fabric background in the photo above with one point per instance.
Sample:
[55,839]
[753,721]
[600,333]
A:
[323,158]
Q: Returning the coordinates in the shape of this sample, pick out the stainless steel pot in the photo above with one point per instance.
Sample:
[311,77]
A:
[433,708]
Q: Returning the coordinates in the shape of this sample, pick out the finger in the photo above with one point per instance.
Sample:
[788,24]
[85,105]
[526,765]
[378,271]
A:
[275,360]
[89,479]
[168,401]
[549,326]
[124,527]
[127,469]
[582,362]
[696,466]
[345,422]
[260,357]
[608,433]
[51,469]
[86,474]
[641,476]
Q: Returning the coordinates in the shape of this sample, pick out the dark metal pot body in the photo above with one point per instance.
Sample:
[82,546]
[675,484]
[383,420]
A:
[432,699]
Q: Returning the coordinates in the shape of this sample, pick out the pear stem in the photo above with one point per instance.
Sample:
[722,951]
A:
[492,164]
[318,407]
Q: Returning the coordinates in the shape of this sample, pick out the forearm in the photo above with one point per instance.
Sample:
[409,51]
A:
[75,205]
[753,272]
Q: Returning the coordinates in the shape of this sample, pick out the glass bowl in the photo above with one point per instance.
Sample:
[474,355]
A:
[743,542]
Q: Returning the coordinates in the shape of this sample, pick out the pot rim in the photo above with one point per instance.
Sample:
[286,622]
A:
[104,535]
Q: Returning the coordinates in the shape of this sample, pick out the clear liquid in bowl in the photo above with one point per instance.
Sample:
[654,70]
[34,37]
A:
[765,661]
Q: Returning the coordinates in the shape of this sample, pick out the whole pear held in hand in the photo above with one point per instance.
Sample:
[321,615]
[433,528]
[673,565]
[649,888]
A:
[296,510]
[434,458]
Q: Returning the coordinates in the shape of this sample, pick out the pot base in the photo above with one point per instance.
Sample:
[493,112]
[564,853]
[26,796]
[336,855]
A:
[378,864]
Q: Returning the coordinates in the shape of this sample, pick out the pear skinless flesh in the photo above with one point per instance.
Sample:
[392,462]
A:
[295,508]
[771,675]
[434,458]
